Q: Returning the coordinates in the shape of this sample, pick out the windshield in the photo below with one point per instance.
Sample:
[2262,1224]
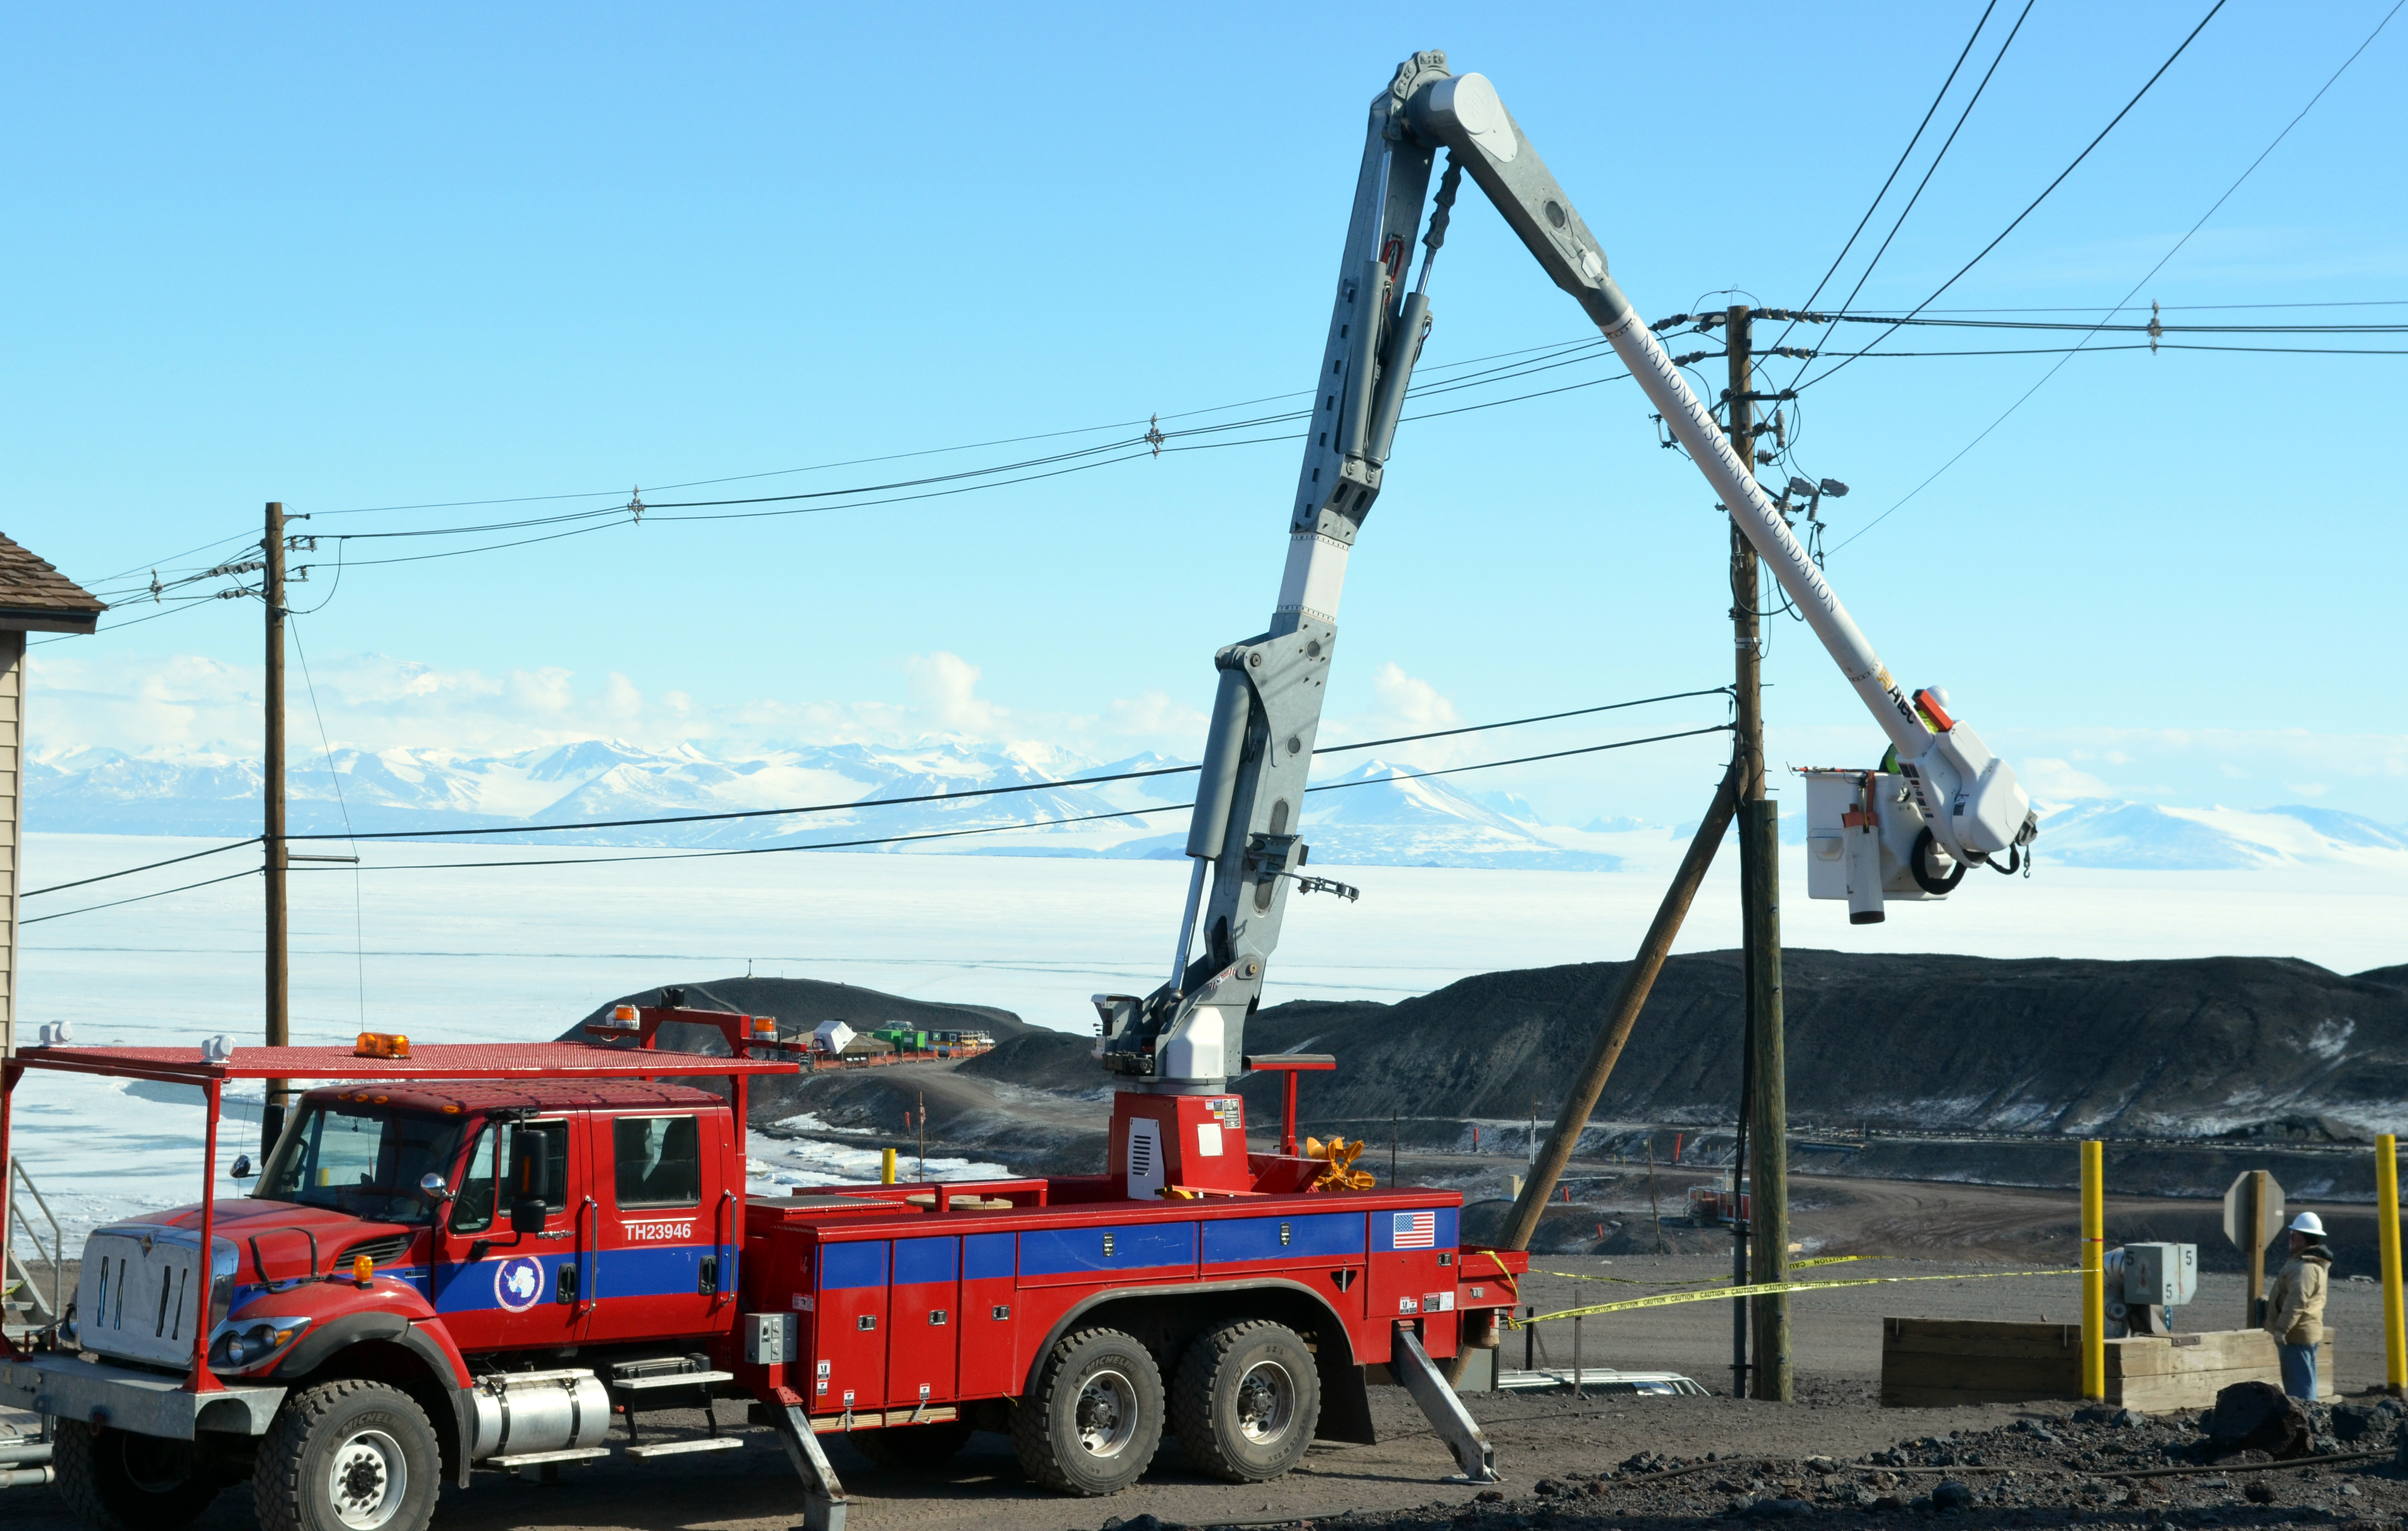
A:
[363,1160]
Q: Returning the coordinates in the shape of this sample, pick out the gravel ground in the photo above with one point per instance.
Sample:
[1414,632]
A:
[1601,1457]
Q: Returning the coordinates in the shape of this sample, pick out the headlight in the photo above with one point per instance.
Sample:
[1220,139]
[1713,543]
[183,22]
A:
[245,1347]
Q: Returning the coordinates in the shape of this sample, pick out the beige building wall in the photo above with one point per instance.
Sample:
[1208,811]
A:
[12,741]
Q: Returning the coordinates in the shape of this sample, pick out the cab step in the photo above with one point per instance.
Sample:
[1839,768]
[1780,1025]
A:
[669,1378]
[545,1459]
[682,1448]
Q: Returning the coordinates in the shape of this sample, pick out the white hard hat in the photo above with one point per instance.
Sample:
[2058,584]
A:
[2309,1223]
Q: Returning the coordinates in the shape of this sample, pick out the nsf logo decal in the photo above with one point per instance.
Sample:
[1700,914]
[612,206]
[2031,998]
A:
[518,1282]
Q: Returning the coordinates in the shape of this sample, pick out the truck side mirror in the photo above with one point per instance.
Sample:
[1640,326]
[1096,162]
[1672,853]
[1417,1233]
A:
[434,1188]
[242,1169]
[530,1166]
[530,1181]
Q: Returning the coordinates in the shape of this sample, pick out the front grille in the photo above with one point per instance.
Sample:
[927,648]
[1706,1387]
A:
[140,1294]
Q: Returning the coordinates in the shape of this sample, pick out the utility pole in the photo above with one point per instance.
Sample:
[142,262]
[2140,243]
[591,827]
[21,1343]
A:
[1760,848]
[280,996]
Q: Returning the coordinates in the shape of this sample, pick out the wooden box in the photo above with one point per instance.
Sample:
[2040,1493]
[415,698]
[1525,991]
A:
[1936,1363]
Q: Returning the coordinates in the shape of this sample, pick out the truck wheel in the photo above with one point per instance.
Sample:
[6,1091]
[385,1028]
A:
[348,1456]
[911,1448]
[117,1480]
[1246,1401]
[1093,1421]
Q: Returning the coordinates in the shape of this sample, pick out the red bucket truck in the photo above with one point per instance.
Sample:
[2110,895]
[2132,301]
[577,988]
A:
[469,1257]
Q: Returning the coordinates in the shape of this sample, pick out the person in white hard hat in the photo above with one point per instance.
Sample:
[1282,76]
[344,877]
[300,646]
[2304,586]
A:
[2295,1308]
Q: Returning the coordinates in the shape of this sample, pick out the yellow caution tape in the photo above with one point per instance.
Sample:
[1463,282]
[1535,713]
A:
[1764,1289]
[1705,1280]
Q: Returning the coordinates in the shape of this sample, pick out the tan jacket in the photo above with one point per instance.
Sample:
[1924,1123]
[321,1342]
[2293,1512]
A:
[2295,1308]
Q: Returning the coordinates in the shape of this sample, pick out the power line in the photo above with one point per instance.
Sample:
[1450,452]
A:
[2138,344]
[2339,303]
[2050,187]
[1875,205]
[899,802]
[215,849]
[931,452]
[1931,169]
[866,802]
[1550,717]
[2169,255]
[897,839]
[1030,824]
[2159,328]
[138,898]
[359,916]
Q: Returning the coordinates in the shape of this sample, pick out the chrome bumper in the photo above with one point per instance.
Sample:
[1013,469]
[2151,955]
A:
[144,1402]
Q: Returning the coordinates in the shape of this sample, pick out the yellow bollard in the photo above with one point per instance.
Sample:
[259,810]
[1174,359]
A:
[2386,1216]
[886,1167]
[2094,1272]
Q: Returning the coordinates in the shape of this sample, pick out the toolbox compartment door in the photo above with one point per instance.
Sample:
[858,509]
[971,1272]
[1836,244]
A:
[927,1309]
[988,1328]
[1405,1280]
[849,1361]
[1080,1255]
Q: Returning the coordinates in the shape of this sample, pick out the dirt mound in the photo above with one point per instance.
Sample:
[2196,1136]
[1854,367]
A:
[805,1003]
[2186,1049]
[2395,976]
[1042,1060]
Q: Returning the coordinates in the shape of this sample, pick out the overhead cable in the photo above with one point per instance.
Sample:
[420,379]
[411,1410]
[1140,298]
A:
[2052,186]
[1931,169]
[885,840]
[922,797]
[1875,205]
[2252,169]
[1017,824]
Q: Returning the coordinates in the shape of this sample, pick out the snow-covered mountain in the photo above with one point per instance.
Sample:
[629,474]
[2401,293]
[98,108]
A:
[936,795]
[1379,815]
[2145,837]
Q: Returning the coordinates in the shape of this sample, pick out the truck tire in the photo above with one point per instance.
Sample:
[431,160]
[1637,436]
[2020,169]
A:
[913,1448]
[1246,1401]
[1093,1422]
[350,1456]
[117,1480]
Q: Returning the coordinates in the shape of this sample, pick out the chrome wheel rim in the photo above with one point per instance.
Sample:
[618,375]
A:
[367,1480]
[1266,1400]
[1106,1415]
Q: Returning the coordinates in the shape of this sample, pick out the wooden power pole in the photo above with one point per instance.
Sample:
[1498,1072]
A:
[1759,851]
[280,996]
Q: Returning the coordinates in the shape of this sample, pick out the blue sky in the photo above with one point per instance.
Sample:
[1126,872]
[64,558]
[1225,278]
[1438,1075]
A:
[350,259]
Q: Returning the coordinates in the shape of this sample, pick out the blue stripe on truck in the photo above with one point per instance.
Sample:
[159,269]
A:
[1136,1246]
[1258,1238]
[923,1260]
[853,1265]
[986,1256]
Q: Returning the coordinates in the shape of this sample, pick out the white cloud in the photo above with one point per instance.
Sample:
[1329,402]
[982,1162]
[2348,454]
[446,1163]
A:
[1403,703]
[2055,781]
[945,687]
[1154,716]
[185,705]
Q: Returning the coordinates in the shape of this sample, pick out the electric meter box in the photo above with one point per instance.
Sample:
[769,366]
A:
[2160,1275]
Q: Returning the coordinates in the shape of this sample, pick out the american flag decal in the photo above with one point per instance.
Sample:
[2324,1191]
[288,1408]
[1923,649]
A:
[1416,1230]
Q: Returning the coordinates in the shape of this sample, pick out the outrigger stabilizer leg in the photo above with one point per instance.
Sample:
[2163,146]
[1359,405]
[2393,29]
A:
[824,1499]
[1442,1408]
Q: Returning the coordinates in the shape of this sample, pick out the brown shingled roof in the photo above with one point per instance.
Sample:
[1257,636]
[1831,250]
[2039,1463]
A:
[35,595]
